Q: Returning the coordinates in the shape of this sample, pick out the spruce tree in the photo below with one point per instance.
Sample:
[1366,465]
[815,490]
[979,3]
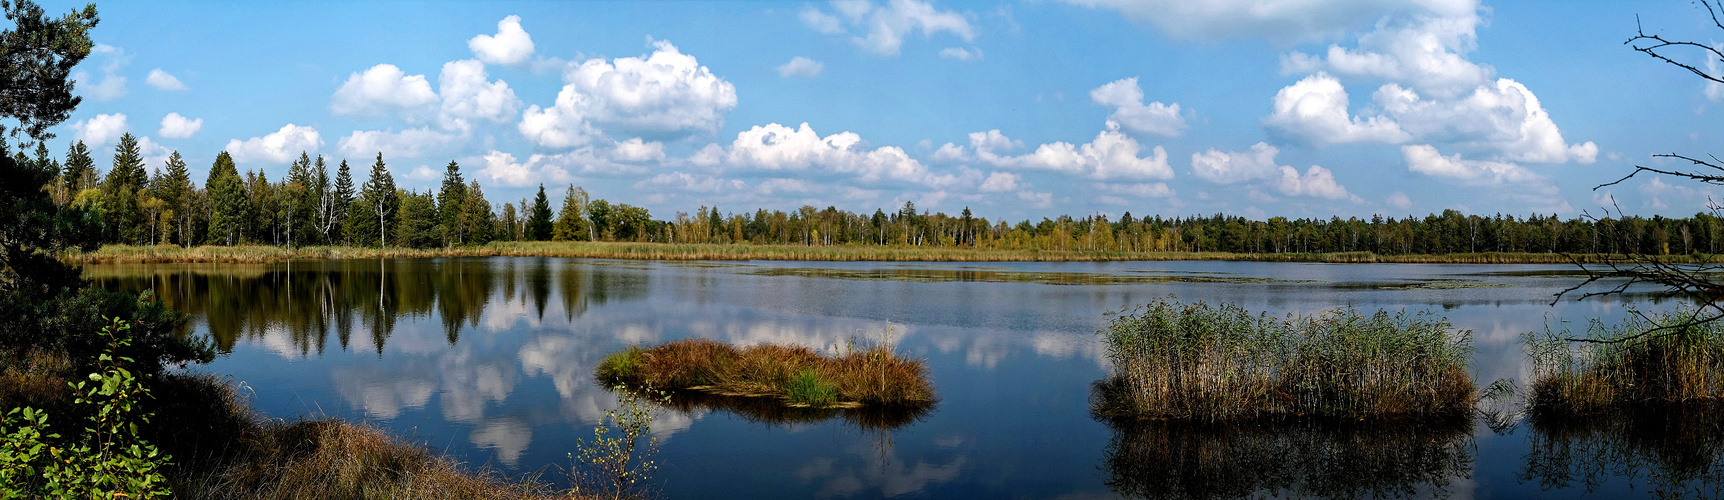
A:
[539,218]
[341,205]
[176,190]
[79,169]
[477,220]
[571,219]
[380,198]
[120,193]
[228,201]
[450,202]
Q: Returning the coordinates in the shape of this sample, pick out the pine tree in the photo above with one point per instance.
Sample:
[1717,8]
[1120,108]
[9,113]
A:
[296,200]
[80,169]
[539,219]
[381,199]
[228,201]
[176,191]
[452,200]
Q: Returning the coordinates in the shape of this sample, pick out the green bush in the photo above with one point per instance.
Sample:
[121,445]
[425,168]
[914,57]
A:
[107,460]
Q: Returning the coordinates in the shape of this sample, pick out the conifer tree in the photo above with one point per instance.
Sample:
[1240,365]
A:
[381,199]
[571,219]
[476,216]
[341,205]
[228,201]
[120,192]
[176,191]
[79,169]
[451,201]
[539,218]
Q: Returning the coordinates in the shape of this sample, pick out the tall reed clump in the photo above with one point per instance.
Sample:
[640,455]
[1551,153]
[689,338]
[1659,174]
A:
[797,375]
[1656,359]
[1214,363]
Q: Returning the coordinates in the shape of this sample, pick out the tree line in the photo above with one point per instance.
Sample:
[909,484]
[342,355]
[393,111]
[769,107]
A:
[310,206]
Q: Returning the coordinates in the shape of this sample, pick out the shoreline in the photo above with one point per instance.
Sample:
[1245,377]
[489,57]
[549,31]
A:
[169,254]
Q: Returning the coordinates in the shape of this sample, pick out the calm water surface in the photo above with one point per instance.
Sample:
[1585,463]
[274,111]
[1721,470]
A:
[492,360]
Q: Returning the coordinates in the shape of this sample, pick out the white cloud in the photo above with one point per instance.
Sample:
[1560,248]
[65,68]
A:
[153,153]
[881,29]
[99,130]
[1000,182]
[1714,90]
[501,168]
[1129,111]
[175,126]
[1399,200]
[1277,20]
[1314,111]
[801,67]
[511,44]
[408,143]
[1036,199]
[161,80]
[1502,120]
[695,183]
[1234,167]
[1660,196]
[1429,53]
[775,147]
[1136,190]
[280,146]
[665,94]
[962,54]
[1317,182]
[468,95]
[1425,159]
[112,85]
[1111,155]
[381,89]
[636,150]
[950,153]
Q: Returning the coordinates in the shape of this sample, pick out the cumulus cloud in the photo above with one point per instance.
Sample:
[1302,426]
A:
[175,126]
[1504,119]
[662,95]
[467,95]
[409,143]
[161,80]
[111,84]
[1425,159]
[100,129]
[775,147]
[1111,155]
[280,146]
[694,183]
[1317,182]
[1234,167]
[880,29]
[998,182]
[637,150]
[1314,111]
[1277,20]
[381,89]
[1130,113]
[1428,53]
[801,67]
[502,169]
[511,44]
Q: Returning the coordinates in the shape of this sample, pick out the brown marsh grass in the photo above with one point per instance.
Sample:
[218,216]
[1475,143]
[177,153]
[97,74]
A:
[1656,359]
[797,375]
[743,251]
[1217,363]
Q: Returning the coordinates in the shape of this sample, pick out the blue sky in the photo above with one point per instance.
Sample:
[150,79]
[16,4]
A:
[1015,109]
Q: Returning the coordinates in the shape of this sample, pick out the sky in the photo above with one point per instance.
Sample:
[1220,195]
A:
[1016,110]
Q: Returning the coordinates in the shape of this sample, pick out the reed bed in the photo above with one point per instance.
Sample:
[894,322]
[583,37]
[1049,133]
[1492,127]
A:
[1220,363]
[796,375]
[843,253]
[1656,359]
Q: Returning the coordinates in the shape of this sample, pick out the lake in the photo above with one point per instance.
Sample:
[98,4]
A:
[491,360]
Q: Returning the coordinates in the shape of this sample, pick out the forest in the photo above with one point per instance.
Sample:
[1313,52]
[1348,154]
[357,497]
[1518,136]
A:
[135,205]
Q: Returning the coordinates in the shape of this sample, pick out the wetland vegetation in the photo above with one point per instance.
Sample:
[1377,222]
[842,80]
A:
[796,375]
[1655,359]
[1221,363]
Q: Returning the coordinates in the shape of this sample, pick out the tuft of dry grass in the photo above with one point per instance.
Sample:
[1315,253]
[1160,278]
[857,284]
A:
[866,377]
[1202,363]
[1657,359]
[158,254]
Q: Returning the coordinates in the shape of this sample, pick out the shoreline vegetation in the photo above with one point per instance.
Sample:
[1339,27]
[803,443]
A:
[163,254]
[1645,361]
[1202,363]
[797,376]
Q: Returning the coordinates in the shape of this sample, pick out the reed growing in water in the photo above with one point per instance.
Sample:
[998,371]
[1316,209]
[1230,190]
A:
[1215,363]
[796,375]
[1656,359]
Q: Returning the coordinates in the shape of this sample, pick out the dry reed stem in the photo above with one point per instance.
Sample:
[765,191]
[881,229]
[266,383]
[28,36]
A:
[861,377]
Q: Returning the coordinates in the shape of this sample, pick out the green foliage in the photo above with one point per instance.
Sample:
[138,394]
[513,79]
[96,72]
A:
[108,459]
[808,388]
[539,218]
[618,462]
[620,365]
[476,217]
[451,204]
[417,227]
[228,200]
[38,57]
[381,200]
[572,221]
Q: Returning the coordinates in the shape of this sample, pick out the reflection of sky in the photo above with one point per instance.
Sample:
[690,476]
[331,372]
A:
[1012,363]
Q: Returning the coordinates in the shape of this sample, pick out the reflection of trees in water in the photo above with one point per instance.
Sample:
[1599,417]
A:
[309,300]
[1161,459]
[1678,451]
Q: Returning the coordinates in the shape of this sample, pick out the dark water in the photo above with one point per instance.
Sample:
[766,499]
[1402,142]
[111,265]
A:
[492,359]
